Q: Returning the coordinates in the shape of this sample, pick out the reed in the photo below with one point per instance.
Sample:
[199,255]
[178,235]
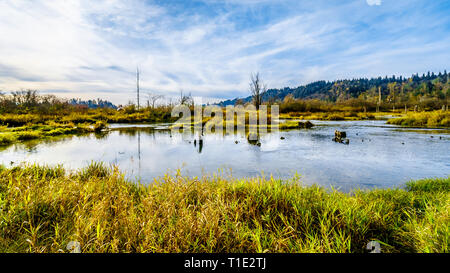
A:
[42,209]
[424,119]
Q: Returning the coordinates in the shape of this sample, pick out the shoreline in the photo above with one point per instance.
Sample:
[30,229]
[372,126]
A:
[65,125]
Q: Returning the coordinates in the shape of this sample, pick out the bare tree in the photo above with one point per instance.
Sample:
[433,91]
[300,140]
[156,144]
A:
[137,87]
[153,98]
[239,102]
[186,99]
[257,89]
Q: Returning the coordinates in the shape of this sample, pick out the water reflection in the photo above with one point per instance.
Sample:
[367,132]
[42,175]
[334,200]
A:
[378,155]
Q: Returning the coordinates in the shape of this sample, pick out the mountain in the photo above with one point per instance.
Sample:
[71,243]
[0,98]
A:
[93,104]
[428,85]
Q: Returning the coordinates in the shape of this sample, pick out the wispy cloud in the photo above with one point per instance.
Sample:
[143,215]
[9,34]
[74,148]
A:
[91,48]
[374,2]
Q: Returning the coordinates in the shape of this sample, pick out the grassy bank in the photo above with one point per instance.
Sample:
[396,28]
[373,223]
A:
[47,130]
[424,119]
[338,115]
[328,115]
[42,209]
[160,114]
[21,127]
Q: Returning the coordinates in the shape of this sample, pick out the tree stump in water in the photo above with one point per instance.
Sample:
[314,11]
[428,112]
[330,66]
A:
[339,134]
[341,137]
[253,138]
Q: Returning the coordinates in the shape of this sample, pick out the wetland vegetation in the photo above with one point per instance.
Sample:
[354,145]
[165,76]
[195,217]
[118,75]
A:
[45,208]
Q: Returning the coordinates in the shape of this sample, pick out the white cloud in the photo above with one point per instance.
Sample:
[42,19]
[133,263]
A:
[68,49]
[90,49]
[373,2]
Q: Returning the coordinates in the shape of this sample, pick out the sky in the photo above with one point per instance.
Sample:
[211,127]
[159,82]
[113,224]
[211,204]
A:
[90,49]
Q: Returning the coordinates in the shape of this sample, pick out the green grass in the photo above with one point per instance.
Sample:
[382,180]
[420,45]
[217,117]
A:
[42,209]
[49,129]
[429,185]
[295,125]
[6,139]
[424,119]
[342,115]
[91,116]
[28,135]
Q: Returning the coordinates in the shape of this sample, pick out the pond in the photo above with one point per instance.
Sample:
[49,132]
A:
[379,155]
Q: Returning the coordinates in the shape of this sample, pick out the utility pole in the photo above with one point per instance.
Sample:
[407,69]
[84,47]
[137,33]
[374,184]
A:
[137,83]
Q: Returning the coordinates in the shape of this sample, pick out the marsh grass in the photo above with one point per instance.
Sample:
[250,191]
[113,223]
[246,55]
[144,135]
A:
[42,209]
[424,119]
[49,129]
[91,116]
[341,115]
[23,127]
[6,139]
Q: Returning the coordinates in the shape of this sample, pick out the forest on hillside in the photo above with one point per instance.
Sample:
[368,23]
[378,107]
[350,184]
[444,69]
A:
[429,91]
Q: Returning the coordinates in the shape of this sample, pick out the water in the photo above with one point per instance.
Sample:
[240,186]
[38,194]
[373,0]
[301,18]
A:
[375,157]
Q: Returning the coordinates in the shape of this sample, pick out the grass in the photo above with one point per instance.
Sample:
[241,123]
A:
[91,116]
[6,139]
[41,131]
[27,135]
[341,115]
[42,209]
[429,185]
[295,125]
[23,127]
[424,119]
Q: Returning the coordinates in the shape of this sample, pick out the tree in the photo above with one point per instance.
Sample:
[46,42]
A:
[153,98]
[137,87]
[257,89]
[186,99]
[239,102]
[392,86]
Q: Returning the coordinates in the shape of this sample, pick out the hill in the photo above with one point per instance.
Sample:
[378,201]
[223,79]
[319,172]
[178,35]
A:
[399,89]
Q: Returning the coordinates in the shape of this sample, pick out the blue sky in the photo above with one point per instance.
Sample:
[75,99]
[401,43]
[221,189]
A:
[90,49]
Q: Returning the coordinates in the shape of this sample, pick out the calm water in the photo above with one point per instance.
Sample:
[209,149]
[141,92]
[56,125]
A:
[375,157]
